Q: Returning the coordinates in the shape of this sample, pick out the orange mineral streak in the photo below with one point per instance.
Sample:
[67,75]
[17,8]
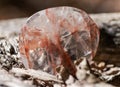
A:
[94,32]
[27,44]
[65,58]
[51,46]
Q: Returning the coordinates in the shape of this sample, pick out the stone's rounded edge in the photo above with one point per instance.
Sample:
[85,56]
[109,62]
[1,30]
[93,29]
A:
[32,17]
[74,9]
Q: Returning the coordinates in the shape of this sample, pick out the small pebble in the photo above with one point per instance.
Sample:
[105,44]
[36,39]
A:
[101,65]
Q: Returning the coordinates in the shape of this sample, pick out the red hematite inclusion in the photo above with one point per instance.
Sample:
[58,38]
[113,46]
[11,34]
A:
[58,36]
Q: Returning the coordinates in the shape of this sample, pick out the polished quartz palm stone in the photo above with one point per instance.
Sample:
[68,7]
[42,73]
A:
[58,36]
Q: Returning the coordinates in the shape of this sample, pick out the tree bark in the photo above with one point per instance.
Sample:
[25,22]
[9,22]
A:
[109,46]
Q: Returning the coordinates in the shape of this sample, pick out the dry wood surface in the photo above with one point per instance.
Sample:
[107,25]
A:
[105,70]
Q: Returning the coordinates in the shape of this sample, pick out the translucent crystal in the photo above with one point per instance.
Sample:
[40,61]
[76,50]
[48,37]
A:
[58,36]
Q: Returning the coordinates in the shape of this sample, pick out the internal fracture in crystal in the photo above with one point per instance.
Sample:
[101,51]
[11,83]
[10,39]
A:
[58,36]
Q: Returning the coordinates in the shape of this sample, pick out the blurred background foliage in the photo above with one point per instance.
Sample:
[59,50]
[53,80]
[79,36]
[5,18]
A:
[24,8]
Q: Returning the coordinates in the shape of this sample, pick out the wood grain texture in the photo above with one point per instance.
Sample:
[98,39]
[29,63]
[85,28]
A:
[109,46]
